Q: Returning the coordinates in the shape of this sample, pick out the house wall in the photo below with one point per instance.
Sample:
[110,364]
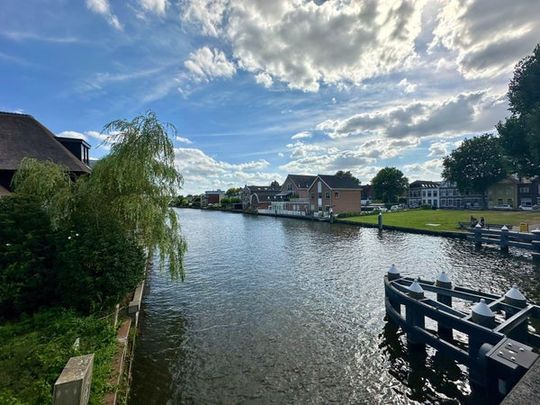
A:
[321,198]
[290,185]
[504,192]
[529,193]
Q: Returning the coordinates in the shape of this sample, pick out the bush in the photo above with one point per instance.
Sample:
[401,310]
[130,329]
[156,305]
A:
[27,252]
[97,267]
[81,266]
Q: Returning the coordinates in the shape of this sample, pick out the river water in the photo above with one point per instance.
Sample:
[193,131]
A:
[277,311]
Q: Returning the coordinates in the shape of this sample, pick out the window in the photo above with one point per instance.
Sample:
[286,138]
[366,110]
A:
[336,194]
[434,193]
[320,195]
[327,195]
[524,189]
[289,187]
[312,195]
[429,193]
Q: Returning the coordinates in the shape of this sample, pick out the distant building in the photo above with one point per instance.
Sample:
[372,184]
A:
[451,197]
[22,136]
[423,192]
[341,194]
[502,193]
[254,197]
[529,192]
[294,195]
[213,197]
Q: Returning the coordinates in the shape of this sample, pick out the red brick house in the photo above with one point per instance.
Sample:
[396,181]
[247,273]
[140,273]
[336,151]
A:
[342,194]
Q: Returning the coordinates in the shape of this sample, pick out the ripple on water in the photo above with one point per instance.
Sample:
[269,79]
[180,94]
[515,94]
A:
[285,311]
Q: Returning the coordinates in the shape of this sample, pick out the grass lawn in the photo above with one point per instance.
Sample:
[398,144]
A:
[447,220]
[34,350]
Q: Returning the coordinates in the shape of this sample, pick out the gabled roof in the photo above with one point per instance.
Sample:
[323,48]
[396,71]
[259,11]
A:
[337,182]
[21,136]
[301,180]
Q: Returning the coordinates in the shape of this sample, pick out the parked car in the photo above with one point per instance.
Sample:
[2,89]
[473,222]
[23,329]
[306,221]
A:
[526,207]
[502,207]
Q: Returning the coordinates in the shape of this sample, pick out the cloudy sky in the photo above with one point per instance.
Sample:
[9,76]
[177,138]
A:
[261,88]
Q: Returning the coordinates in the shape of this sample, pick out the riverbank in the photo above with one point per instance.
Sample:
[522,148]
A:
[34,350]
[445,222]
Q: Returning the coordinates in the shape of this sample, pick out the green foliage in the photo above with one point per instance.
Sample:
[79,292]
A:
[476,164]
[97,268]
[80,266]
[389,184]
[233,191]
[27,250]
[49,184]
[133,185]
[233,200]
[520,133]
[347,174]
[34,351]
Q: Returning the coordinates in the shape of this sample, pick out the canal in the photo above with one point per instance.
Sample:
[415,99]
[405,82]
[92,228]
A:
[278,310]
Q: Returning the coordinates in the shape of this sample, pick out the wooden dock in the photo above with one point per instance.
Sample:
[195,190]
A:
[499,351]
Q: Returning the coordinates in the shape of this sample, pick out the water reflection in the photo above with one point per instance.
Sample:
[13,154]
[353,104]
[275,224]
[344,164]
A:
[288,311]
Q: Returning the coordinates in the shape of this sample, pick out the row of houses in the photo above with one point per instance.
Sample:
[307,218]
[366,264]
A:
[305,194]
[511,193]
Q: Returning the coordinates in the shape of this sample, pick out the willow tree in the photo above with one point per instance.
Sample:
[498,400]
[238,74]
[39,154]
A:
[49,185]
[134,185]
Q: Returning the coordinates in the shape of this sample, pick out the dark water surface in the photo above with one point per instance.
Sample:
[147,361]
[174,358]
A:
[280,311]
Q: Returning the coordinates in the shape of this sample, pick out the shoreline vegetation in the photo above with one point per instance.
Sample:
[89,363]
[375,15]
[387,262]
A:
[73,249]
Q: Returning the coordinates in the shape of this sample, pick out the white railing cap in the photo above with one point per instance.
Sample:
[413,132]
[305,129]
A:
[415,287]
[515,294]
[481,308]
[393,269]
[443,277]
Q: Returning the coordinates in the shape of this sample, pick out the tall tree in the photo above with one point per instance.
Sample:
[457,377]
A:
[520,133]
[389,184]
[347,174]
[233,191]
[476,165]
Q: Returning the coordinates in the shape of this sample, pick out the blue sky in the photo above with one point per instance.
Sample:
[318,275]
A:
[258,89]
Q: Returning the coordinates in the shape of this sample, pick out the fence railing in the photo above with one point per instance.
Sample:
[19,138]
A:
[505,238]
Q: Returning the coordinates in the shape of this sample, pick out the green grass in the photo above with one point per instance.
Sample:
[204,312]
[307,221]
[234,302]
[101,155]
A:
[448,219]
[34,350]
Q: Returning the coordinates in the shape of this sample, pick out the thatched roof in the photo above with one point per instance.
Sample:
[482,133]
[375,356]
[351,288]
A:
[21,136]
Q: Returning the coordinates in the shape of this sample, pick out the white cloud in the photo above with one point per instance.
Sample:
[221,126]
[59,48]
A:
[428,170]
[103,7]
[158,7]
[302,135]
[265,79]
[466,112]
[206,64]
[306,43]
[407,86]
[487,36]
[202,172]
[184,140]
[73,135]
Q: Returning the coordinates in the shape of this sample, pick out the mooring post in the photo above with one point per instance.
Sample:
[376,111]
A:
[443,281]
[413,317]
[478,235]
[379,221]
[514,297]
[482,315]
[536,245]
[393,274]
[504,239]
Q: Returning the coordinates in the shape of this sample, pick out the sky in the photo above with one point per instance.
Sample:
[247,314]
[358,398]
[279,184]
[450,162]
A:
[258,89]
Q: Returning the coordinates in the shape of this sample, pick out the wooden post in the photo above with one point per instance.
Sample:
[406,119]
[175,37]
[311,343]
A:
[482,315]
[443,281]
[73,385]
[514,297]
[536,246]
[413,317]
[504,239]
[477,236]
[393,274]
[379,221]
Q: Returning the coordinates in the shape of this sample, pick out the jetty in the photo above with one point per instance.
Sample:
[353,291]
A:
[501,345]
